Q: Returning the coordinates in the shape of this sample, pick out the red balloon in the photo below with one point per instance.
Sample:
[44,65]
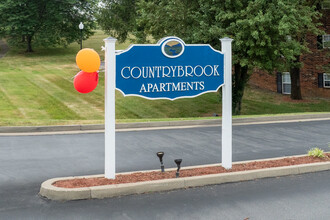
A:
[85,82]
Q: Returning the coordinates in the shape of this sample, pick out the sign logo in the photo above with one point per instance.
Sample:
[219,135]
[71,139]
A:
[169,69]
[173,48]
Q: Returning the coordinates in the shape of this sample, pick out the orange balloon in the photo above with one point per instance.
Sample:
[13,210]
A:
[88,60]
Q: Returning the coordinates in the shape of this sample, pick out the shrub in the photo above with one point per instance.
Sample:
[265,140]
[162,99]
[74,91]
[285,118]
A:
[316,152]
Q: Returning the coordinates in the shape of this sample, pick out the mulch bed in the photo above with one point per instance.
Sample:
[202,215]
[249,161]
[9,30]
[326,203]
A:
[157,175]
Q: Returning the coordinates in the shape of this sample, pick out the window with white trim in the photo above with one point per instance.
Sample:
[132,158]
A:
[326,80]
[286,83]
[325,4]
[326,41]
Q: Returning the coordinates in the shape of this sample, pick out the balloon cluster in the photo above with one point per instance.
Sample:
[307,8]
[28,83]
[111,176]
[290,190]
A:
[87,79]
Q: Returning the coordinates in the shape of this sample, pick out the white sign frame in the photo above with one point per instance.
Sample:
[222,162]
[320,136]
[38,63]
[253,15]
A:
[109,120]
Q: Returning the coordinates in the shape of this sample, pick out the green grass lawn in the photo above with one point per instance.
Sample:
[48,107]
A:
[37,89]
[258,101]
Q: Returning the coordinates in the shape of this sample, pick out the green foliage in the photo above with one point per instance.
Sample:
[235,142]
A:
[44,22]
[117,17]
[268,34]
[316,152]
[260,28]
[162,18]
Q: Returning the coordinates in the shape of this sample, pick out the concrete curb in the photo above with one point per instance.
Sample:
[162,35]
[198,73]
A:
[162,124]
[25,129]
[99,192]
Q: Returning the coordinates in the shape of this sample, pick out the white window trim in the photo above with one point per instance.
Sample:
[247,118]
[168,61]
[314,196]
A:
[286,83]
[325,5]
[323,36]
[324,86]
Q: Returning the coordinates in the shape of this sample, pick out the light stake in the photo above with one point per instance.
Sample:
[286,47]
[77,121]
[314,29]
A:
[81,27]
[160,156]
[178,163]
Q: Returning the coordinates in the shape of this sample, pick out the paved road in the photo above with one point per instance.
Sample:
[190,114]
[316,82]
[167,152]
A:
[303,197]
[26,161]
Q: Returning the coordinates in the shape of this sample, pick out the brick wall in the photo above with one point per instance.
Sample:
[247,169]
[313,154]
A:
[313,63]
[263,80]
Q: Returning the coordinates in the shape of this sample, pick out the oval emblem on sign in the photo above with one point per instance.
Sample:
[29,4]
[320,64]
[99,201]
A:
[172,48]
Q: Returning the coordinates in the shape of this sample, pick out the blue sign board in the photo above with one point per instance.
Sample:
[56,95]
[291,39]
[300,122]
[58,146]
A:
[169,69]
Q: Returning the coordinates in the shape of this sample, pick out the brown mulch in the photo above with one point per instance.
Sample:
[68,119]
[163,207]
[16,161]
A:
[157,175]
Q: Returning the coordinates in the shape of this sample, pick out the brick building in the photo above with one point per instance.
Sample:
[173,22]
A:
[314,79]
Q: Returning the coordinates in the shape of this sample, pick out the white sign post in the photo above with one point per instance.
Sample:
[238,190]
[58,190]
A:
[227,104]
[109,105]
[202,64]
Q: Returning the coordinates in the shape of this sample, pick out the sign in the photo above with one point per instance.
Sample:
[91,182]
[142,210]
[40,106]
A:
[169,69]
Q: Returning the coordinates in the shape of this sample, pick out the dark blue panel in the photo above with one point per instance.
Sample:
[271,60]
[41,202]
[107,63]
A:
[144,70]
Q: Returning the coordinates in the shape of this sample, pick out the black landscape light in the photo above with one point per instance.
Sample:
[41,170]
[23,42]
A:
[160,156]
[178,163]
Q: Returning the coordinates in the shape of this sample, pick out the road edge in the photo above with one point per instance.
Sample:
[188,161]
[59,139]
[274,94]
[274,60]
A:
[99,192]
[164,124]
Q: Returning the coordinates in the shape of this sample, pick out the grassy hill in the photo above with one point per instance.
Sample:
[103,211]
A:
[37,89]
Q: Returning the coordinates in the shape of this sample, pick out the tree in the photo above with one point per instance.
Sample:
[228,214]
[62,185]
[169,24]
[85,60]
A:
[260,29]
[267,34]
[297,32]
[45,22]
[117,17]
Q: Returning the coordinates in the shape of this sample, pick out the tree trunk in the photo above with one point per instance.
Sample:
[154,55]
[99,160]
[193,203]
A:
[29,44]
[239,81]
[295,82]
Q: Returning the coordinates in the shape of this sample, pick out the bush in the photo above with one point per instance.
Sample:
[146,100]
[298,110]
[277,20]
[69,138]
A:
[316,152]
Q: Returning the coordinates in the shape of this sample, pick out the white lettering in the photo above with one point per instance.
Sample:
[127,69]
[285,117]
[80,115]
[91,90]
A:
[190,86]
[215,67]
[149,87]
[158,68]
[144,74]
[210,69]
[143,88]
[195,72]
[196,85]
[191,71]
[183,86]
[168,86]
[180,68]
[173,70]
[151,72]
[122,72]
[168,73]
[155,88]
[175,87]
[201,85]
[138,70]
[162,87]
